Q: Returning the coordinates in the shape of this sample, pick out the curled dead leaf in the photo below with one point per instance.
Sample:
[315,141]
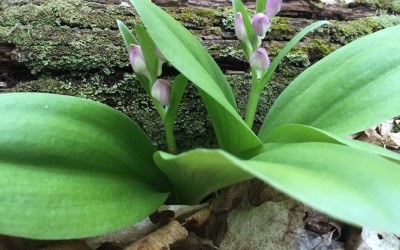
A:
[161,239]
[198,219]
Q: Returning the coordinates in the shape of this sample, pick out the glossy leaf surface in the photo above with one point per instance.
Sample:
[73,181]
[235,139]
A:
[197,173]
[127,35]
[350,90]
[178,88]
[346,183]
[71,168]
[149,51]
[186,54]
[293,133]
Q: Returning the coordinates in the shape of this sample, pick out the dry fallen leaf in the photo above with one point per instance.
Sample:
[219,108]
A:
[385,134]
[198,219]
[161,239]
[371,239]
[142,228]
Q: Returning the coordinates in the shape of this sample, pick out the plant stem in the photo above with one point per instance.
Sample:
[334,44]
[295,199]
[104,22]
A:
[169,135]
[252,103]
[169,131]
[160,109]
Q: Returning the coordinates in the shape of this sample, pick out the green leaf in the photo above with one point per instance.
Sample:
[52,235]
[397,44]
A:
[126,35]
[178,88]
[239,7]
[199,172]
[149,51]
[261,6]
[292,133]
[345,183]
[348,91]
[72,168]
[187,55]
[182,49]
[275,63]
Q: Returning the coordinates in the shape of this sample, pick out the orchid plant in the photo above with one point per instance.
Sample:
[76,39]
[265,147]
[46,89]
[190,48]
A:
[72,168]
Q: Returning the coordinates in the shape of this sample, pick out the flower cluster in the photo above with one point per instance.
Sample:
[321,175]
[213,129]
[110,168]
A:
[161,89]
[260,23]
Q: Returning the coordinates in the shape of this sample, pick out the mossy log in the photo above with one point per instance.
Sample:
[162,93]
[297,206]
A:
[73,47]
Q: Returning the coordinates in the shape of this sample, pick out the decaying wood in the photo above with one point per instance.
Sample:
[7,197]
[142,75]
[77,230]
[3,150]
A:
[12,69]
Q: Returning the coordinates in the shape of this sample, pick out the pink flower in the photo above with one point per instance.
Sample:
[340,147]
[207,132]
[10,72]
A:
[137,60]
[240,29]
[273,7]
[261,24]
[161,91]
[259,59]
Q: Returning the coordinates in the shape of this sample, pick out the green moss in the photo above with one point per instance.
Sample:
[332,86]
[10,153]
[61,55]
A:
[193,18]
[72,13]
[383,6]
[345,32]
[281,26]
[320,47]
[396,7]
[66,36]
[227,18]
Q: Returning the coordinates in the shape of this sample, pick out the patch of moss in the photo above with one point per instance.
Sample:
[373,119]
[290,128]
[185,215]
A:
[281,26]
[345,32]
[72,13]
[227,18]
[383,6]
[396,7]
[195,18]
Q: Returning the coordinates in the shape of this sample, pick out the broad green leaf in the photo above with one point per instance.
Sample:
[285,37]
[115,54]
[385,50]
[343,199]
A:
[187,55]
[345,183]
[72,168]
[149,51]
[261,6]
[348,91]
[126,35]
[197,173]
[292,133]
[275,63]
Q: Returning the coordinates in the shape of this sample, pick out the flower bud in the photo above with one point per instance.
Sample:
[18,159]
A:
[240,29]
[261,24]
[273,7]
[259,59]
[137,60]
[161,91]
